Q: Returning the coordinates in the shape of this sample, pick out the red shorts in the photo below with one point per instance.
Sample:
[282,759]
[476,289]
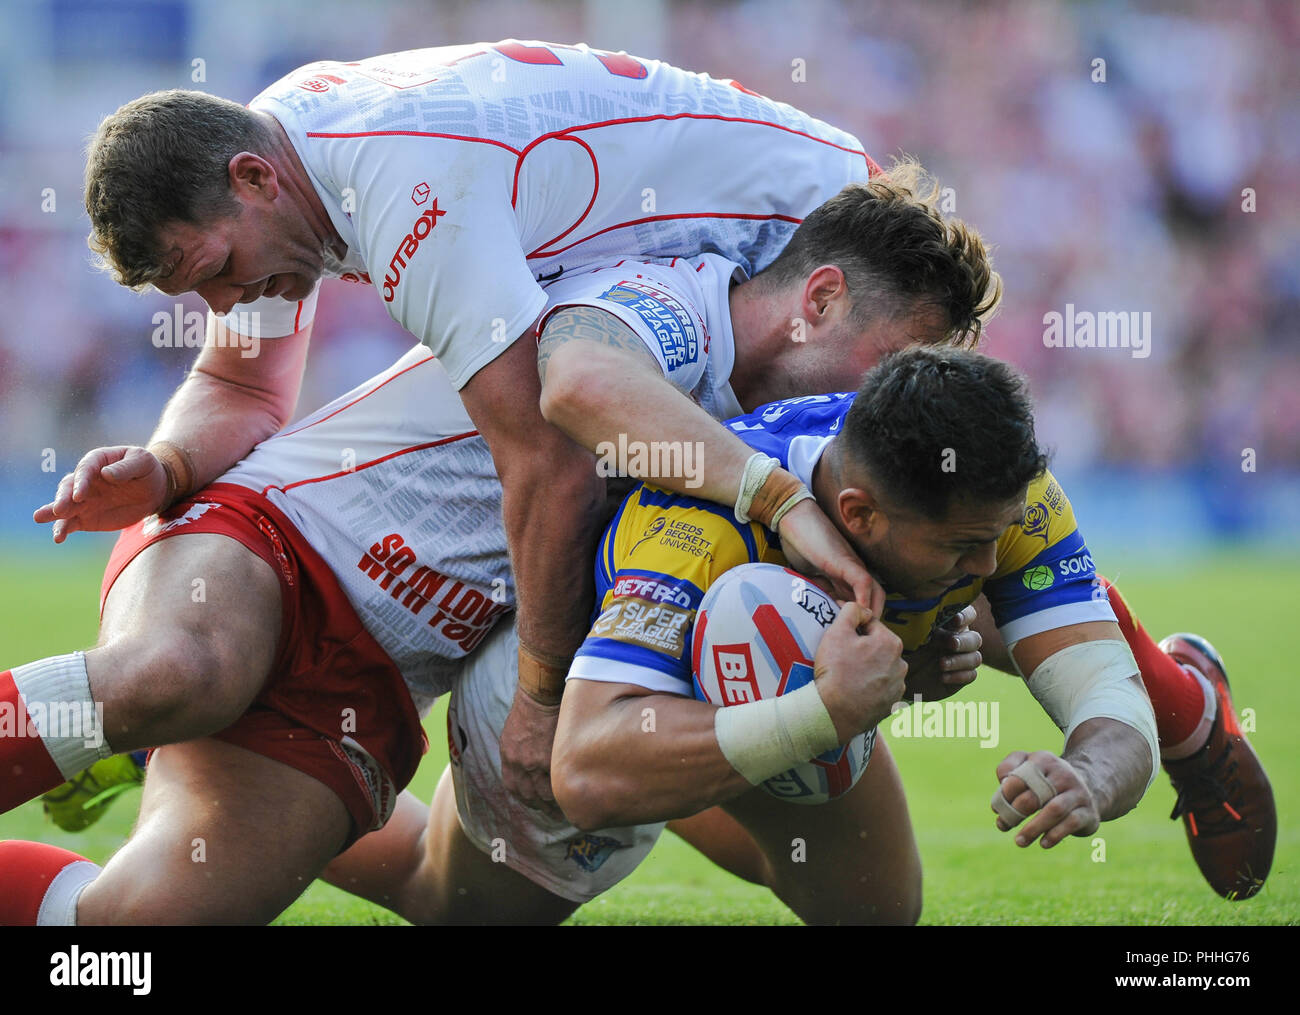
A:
[334,705]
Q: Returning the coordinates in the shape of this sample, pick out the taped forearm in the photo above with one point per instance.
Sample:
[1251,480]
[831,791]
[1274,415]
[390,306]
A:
[1094,680]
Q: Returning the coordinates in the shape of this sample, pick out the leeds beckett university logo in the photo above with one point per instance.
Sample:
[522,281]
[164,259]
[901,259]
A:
[407,248]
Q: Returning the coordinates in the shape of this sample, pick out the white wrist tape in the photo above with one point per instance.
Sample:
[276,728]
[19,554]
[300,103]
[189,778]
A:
[803,493]
[757,469]
[765,738]
[1095,680]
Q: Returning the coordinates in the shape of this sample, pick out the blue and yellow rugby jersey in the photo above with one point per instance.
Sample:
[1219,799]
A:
[662,551]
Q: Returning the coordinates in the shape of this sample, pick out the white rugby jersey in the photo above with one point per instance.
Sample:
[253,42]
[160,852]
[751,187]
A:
[460,178]
[396,491]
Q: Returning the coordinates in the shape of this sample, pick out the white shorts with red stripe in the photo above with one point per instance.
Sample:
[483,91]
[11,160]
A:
[395,490]
[550,852]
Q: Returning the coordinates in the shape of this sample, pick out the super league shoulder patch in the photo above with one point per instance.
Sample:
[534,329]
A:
[672,324]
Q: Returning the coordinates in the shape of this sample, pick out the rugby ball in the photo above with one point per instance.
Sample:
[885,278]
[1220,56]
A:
[756,632]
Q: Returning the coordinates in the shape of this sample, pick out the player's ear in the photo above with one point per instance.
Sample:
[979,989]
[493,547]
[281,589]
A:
[821,291]
[861,514]
[251,175]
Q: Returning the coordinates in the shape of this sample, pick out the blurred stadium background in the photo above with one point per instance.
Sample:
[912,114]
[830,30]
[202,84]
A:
[1128,194]
[1119,195]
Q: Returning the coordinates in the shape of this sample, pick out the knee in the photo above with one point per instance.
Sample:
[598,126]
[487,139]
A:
[172,684]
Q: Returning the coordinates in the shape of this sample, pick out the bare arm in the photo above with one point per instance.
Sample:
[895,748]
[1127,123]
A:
[614,766]
[1112,757]
[610,772]
[600,383]
[551,505]
[552,498]
[227,404]
[1103,771]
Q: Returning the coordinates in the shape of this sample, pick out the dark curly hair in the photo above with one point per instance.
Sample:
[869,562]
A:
[935,424]
[899,255]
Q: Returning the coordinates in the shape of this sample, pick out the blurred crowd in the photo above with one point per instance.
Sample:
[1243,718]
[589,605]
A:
[1118,157]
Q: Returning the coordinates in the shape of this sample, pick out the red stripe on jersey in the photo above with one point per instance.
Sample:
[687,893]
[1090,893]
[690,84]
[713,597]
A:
[308,426]
[780,642]
[411,133]
[297,318]
[595,190]
[377,461]
[662,218]
[716,116]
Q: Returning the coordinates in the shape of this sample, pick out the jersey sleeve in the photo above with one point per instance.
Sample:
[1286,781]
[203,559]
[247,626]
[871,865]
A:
[663,313]
[1046,577]
[658,557]
[442,245]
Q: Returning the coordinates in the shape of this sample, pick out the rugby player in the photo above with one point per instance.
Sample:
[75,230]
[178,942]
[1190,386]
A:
[937,537]
[351,562]
[453,180]
[398,865]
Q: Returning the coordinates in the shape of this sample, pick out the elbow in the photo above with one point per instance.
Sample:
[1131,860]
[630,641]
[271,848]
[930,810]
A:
[583,795]
[571,391]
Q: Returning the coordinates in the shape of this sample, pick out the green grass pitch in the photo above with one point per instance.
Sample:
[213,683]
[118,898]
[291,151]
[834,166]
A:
[973,874]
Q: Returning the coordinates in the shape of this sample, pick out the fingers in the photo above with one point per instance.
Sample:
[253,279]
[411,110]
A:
[852,615]
[1070,811]
[960,670]
[135,464]
[88,469]
[62,503]
[960,622]
[963,641]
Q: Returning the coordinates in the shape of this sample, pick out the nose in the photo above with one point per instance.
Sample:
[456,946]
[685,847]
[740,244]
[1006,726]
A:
[982,562]
[220,299]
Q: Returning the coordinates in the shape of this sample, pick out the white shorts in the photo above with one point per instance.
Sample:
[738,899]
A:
[550,852]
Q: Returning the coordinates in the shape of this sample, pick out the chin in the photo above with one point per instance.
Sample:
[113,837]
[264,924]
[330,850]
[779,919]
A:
[299,290]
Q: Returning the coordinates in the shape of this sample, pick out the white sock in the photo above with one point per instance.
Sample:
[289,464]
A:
[56,694]
[59,907]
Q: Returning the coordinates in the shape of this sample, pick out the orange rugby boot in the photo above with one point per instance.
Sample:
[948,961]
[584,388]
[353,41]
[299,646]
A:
[1224,797]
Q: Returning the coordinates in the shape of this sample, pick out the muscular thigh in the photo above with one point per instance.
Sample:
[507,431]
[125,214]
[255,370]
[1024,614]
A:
[853,860]
[224,836]
[192,619]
